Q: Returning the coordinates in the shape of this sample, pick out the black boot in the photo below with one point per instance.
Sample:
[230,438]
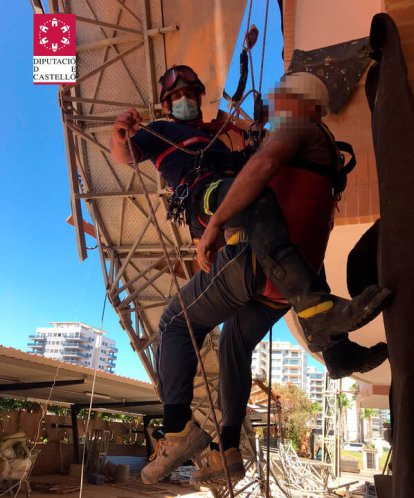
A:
[344,357]
[321,315]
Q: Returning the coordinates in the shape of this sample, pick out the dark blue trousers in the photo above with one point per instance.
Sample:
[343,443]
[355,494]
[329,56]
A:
[225,295]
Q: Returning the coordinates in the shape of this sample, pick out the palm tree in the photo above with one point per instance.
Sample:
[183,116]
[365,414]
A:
[355,391]
[344,403]
[367,414]
[315,411]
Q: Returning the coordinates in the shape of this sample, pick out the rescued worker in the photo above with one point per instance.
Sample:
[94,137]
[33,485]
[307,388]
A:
[231,291]
[199,186]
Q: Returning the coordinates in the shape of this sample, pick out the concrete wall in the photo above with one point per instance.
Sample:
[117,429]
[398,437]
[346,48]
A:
[29,423]
[326,22]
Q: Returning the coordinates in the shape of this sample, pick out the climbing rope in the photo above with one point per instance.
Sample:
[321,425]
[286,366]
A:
[269,404]
[244,43]
[88,418]
[263,46]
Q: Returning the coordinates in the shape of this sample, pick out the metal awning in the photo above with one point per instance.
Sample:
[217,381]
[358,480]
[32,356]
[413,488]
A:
[29,376]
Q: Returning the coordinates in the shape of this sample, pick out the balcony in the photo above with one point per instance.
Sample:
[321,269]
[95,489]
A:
[70,354]
[72,341]
[34,345]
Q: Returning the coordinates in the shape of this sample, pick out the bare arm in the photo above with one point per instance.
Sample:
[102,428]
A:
[126,125]
[247,186]
[251,180]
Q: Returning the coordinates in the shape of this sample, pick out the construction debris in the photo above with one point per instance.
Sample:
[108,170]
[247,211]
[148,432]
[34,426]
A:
[58,488]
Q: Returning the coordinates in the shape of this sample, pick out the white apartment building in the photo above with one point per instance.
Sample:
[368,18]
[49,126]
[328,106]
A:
[314,384]
[288,363]
[75,342]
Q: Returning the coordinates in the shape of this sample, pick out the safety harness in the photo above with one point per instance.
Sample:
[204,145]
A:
[178,203]
[338,172]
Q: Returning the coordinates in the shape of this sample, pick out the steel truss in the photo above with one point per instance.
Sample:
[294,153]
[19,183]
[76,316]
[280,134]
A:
[330,428]
[121,53]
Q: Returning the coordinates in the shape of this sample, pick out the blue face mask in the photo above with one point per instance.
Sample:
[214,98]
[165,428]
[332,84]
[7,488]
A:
[185,109]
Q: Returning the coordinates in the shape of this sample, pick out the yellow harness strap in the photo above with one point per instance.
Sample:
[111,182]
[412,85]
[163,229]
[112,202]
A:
[237,237]
[234,239]
[315,310]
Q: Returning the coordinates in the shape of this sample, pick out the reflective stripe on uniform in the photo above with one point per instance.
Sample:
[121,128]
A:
[184,143]
[206,198]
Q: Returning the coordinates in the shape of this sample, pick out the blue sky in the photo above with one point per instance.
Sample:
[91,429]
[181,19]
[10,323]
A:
[42,278]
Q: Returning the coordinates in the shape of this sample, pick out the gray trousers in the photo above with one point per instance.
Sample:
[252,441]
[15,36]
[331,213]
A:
[225,295]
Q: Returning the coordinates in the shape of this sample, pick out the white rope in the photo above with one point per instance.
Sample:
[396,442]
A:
[86,431]
[90,408]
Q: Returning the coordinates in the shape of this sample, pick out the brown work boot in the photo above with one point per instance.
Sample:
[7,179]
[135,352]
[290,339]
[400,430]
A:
[213,470]
[173,450]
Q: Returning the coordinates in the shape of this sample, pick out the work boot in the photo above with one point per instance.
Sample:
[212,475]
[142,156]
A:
[213,470]
[344,358]
[173,450]
[321,315]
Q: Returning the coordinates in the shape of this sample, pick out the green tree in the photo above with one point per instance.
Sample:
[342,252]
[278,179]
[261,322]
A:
[344,403]
[297,412]
[367,414]
[355,391]
[315,410]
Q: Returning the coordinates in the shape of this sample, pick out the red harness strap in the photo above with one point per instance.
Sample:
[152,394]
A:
[184,143]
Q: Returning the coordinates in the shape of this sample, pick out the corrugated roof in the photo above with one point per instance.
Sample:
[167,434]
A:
[17,367]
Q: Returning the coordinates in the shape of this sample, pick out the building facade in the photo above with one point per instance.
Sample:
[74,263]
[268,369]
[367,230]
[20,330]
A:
[77,343]
[288,363]
[314,384]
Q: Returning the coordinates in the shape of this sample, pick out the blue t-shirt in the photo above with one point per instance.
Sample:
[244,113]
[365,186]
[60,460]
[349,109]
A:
[174,164]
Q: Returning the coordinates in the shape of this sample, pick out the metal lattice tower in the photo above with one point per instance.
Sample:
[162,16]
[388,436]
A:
[330,425]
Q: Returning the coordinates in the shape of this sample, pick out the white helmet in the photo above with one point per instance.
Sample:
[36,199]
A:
[308,85]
